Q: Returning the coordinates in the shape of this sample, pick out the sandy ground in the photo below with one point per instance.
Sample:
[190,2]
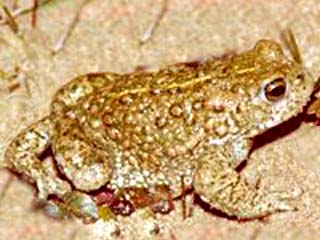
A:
[107,39]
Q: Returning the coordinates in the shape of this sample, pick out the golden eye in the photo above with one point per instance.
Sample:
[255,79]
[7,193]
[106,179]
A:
[276,89]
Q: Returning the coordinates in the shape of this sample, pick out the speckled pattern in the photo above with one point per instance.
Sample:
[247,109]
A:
[189,30]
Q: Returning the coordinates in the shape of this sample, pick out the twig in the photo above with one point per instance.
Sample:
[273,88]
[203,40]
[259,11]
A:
[183,198]
[73,234]
[11,21]
[11,79]
[6,186]
[173,236]
[255,234]
[22,11]
[65,36]
[190,210]
[152,27]
[34,13]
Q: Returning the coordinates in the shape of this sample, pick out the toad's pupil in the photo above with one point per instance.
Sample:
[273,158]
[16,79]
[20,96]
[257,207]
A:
[278,91]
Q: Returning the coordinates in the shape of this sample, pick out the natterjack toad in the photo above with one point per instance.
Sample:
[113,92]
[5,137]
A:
[138,134]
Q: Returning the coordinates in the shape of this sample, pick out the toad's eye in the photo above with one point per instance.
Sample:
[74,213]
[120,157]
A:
[275,90]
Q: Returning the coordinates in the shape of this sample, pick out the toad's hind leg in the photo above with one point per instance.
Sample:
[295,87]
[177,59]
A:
[221,186]
[22,156]
[86,165]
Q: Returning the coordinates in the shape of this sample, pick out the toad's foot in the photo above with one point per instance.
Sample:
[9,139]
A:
[50,185]
[22,156]
[221,186]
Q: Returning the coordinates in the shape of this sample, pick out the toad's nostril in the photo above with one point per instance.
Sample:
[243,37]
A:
[301,76]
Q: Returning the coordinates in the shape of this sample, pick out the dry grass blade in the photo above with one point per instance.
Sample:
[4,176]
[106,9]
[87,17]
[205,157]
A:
[255,234]
[11,21]
[73,235]
[152,27]
[62,40]
[22,11]
[290,41]
[6,187]
[34,13]
[15,4]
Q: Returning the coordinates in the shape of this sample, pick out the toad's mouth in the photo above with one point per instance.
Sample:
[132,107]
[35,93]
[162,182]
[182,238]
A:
[290,125]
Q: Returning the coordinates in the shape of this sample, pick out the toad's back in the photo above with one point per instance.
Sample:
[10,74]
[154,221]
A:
[157,129]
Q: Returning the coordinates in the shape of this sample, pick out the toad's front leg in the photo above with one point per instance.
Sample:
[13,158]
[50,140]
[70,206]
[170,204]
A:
[220,185]
[22,156]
